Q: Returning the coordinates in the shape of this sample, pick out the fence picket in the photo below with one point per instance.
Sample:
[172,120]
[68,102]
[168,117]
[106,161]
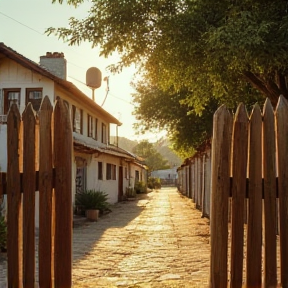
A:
[239,166]
[63,197]
[13,197]
[254,229]
[220,183]
[282,141]
[45,195]
[29,177]
[270,272]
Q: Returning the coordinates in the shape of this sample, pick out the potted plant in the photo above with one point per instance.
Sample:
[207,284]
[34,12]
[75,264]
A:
[93,202]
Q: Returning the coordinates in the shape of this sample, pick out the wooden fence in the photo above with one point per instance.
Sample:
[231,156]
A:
[194,178]
[243,179]
[249,160]
[55,207]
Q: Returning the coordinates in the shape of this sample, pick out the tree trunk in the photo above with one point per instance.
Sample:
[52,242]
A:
[271,89]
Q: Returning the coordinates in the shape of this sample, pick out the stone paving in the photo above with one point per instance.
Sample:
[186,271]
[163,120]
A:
[158,240]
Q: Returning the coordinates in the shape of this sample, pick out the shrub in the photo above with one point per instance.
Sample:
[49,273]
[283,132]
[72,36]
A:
[130,192]
[92,199]
[140,187]
[154,183]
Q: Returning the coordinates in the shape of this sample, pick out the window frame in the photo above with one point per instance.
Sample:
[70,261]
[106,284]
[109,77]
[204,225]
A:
[110,171]
[36,103]
[96,129]
[6,101]
[75,128]
[100,170]
[103,134]
[90,126]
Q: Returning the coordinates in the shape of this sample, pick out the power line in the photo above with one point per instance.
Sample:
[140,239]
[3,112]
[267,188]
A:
[22,24]
[42,34]
[109,91]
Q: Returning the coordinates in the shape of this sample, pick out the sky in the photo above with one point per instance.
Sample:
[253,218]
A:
[22,26]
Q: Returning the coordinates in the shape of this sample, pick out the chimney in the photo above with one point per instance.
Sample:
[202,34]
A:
[55,63]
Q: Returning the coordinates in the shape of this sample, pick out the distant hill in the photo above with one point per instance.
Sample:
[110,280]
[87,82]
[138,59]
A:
[161,146]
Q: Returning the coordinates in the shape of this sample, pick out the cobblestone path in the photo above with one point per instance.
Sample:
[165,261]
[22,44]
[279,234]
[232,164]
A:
[157,241]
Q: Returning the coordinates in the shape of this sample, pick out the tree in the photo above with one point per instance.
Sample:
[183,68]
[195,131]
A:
[199,45]
[156,109]
[153,159]
[209,51]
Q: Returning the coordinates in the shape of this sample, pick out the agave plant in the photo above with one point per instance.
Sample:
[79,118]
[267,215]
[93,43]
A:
[92,199]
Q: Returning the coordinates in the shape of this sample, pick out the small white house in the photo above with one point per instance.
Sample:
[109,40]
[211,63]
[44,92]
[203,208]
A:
[97,164]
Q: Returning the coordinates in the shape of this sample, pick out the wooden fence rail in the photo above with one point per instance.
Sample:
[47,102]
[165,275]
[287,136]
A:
[254,154]
[55,156]
[240,179]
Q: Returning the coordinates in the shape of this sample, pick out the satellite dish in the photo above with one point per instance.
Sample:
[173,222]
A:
[93,78]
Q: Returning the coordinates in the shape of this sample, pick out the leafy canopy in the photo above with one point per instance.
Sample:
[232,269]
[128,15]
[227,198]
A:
[153,159]
[209,52]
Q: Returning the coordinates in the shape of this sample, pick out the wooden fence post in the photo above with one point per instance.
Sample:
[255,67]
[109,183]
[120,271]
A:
[13,197]
[29,187]
[254,229]
[282,142]
[63,196]
[45,194]
[269,195]
[239,166]
[221,143]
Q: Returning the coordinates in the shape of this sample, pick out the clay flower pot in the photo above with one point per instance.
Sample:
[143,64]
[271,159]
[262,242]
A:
[92,215]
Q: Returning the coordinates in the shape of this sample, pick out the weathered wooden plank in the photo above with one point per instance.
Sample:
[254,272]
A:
[29,122]
[193,180]
[203,185]
[282,142]
[63,197]
[13,197]
[254,229]
[45,194]
[269,172]
[220,184]
[196,181]
[239,166]
[190,180]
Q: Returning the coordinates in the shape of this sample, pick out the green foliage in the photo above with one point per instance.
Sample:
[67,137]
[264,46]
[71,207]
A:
[153,159]
[130,192]
[193,55]
[154,183]
[140,187]
[92,199]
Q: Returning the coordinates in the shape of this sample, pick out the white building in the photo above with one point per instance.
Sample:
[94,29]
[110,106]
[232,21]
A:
[97,164]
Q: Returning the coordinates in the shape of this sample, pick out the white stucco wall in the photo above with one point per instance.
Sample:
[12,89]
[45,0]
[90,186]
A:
[13,75]
[3,147]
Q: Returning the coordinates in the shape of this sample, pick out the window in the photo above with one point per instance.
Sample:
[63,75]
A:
[96,128]
[110,172]
[90,125]
[126,173]
[34,95]
[77,119]
[136,176]
[11,96]
[103,138]
[100,171]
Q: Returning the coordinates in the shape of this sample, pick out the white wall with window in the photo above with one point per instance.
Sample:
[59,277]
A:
[21,85]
